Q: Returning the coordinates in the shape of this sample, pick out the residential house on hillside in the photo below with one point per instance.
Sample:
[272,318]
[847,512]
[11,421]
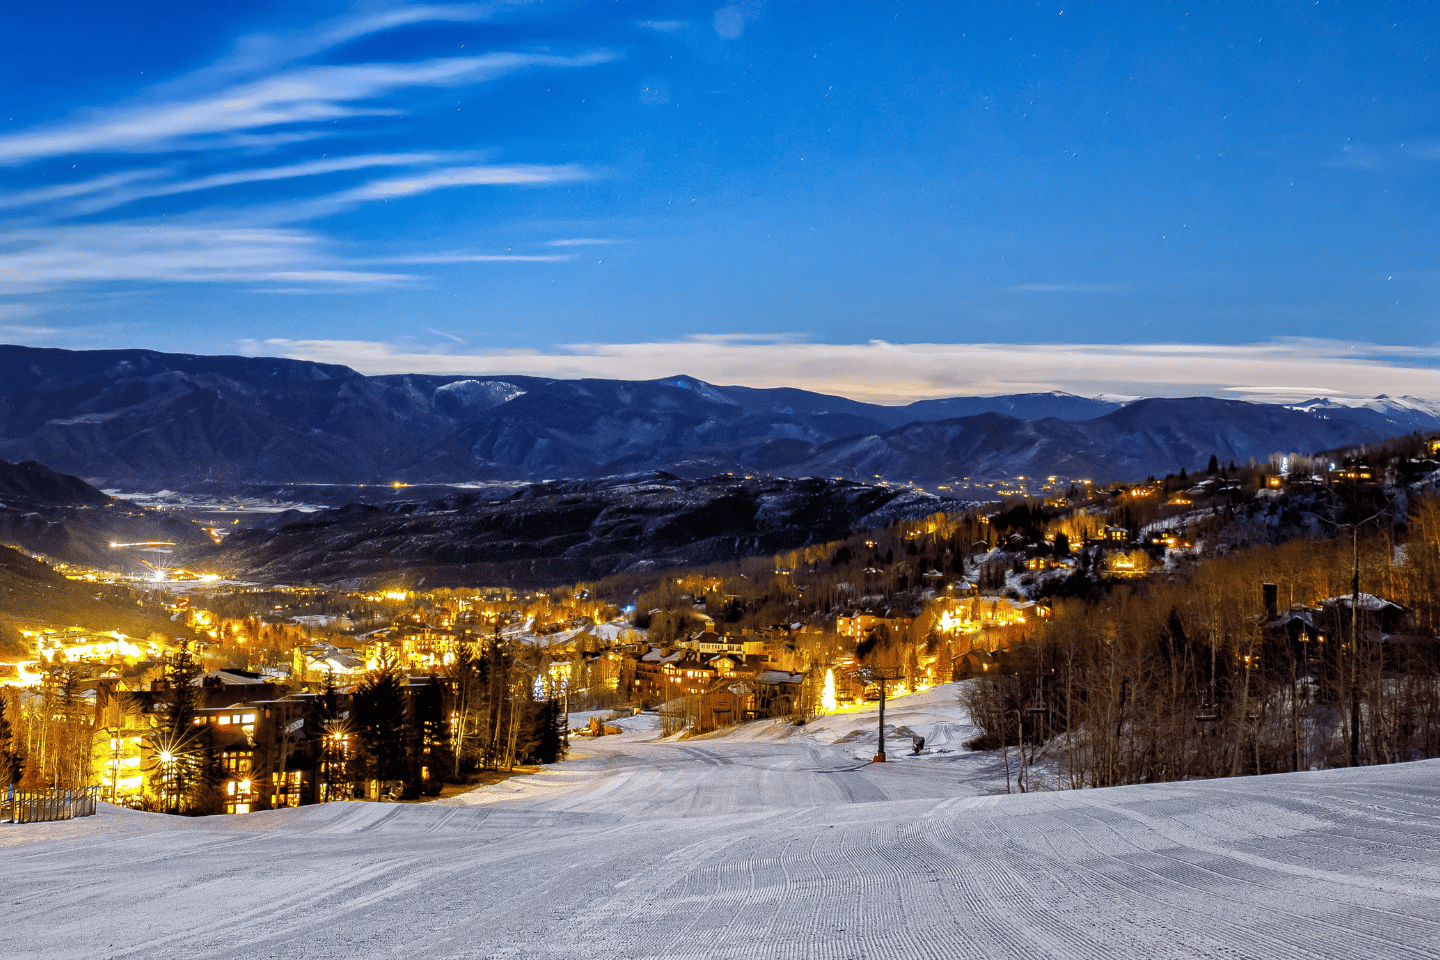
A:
[271,745]
[662,674]
[1314,639]
[975,663]
[708,641]
[732,700]
[311,663]
[857,626]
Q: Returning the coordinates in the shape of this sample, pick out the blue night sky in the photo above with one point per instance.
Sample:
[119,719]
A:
[887,201]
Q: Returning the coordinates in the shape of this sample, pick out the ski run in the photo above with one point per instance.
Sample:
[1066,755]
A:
[769,842]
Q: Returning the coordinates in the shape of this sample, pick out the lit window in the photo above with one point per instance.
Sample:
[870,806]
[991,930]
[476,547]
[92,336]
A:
[224,721]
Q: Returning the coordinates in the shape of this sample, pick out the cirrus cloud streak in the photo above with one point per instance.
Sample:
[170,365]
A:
[303,95]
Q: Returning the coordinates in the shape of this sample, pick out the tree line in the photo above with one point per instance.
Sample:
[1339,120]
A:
[1195,677]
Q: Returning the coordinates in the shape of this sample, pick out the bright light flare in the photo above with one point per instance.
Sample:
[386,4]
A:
[827,698]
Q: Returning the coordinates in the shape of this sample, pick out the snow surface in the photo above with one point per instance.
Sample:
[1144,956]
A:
[769,841]
[1381,404]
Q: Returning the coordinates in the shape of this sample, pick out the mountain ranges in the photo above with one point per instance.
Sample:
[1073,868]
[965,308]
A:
[143,420]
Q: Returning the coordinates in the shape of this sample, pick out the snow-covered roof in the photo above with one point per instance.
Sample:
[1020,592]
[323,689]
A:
[1304,616]
[654,655]
[230,678]
[1367,602]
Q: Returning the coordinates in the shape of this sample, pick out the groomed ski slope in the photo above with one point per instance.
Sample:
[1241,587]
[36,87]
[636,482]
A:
[769,842]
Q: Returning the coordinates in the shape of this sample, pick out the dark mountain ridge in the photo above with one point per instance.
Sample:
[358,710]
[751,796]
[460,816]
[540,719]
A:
[142,420]
[561,532]
[66,519]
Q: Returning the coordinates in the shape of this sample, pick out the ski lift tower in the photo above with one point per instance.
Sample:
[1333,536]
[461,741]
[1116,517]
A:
[868,674]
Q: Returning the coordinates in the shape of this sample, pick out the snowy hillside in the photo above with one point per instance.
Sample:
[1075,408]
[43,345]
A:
[1381,404]
[764,843]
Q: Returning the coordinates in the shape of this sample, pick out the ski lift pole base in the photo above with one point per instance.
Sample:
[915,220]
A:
[879,757]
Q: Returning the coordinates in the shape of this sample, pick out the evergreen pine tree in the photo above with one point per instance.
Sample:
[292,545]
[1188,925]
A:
[184,763]
[429,740]
[380,718]
[550,731]
[12,761]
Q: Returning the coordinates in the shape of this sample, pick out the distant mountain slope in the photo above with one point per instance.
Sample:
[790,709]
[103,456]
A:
[1154,436]
[66,519]
[33,593]
[136,416]
[1393,415]
[1024,406]
[562,532]
[31,483]
[1163,435]
[145,420]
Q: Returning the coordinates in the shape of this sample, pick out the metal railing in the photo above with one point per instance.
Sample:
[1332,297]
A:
[40,806]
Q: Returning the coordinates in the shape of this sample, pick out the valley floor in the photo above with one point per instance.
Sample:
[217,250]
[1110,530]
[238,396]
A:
[768,842]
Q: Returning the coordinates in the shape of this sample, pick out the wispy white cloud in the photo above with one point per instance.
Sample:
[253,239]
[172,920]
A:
[110,195]
[422,182]
[898,373]
[80,188]
[355,27]
[447,336]
[662,26]
[301,95]
[45,258]
[267,51]
[580,242]
[522,174]
[17,333]
[258,98]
